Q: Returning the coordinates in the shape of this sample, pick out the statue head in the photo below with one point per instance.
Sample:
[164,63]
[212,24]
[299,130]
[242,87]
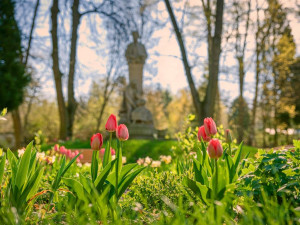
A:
[135,35]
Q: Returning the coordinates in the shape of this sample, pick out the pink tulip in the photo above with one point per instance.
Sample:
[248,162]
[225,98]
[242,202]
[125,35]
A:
[96,141]
[214,149]
[111,124]
[122,132]
[62,150]
[81,157]
[69,153]
[210,126]
[76,152]
[202,134]
[56,147]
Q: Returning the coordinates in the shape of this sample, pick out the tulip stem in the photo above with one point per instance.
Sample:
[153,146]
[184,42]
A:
[230,149]
[119,149]
[216,188]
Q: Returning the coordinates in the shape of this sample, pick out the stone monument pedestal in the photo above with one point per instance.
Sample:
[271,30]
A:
[141,131]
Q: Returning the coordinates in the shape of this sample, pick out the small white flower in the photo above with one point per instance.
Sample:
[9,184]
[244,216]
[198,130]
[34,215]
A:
[166,159]
[140,161]
[156,164]
[138,207]
[148,160]
[124,160]
[21,152]
[40,156]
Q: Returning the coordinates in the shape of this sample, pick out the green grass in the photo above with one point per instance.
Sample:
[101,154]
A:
[135,148]
[132,149]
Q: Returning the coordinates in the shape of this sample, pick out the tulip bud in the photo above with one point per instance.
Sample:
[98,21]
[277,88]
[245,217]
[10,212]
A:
[111,124]
[56,147]
[122,132]
[62,150]
[214,149]
[228,136]
[210,126]
[202,134]
[96,141]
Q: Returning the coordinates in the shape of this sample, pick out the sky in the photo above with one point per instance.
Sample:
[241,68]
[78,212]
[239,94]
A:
[168,65]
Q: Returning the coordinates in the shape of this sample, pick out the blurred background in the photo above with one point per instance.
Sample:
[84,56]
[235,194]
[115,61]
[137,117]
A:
[62,64]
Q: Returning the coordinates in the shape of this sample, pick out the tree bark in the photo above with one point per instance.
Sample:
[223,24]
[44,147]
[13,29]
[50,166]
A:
[57,74]
[18,131]
[252,140]
[187,68]
[72,104]
[31,31]
[211,90]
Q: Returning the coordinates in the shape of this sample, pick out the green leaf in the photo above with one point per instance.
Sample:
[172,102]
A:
[103,175]
[22,172]
[237,155]
[119,156]
[2,166]
[126,169]
[58,175]
[76,186]
[198,172]
[69,164]
[86,183]
[199,190]
[127,181]
[11,156]
[107,155]
[94,165]
[32,185]
[4,111]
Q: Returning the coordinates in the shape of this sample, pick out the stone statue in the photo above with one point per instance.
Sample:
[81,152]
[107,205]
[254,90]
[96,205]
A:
[136,56]
[141,115]
[133,111]
[136,52]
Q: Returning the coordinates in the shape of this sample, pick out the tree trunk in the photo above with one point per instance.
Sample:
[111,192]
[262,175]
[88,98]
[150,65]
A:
[17,128]
[187,68]
[72,104]
[252,140]
[211,90]
[31,31]
[57,74]
[241,101]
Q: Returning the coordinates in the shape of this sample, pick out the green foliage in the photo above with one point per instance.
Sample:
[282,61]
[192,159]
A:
[150,192]
[213,178]
[25,178]
[274,173]
[13,77]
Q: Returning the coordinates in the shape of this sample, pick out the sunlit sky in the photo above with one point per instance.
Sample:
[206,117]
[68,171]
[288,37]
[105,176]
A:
[170,72]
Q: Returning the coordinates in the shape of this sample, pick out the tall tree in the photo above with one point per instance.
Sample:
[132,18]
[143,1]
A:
[261,34]
[242,20]
[13,76]
[72,104]
[57,73]
[118,23]
[205,108]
